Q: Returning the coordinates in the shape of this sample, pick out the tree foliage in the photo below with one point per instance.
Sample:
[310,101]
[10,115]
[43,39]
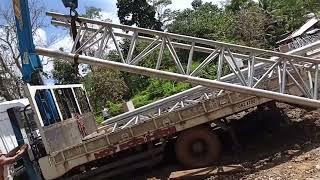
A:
[150,14]
[204,20]
[237,5]
[63,73]
[249,27]
[103,86]
[92,12]
[136,12]
[158,89]
[163,14]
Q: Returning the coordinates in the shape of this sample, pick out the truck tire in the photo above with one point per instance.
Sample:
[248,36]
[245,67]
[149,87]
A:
[197,147]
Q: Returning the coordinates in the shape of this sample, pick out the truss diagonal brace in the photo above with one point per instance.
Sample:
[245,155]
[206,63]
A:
[116,44]
[143,52]
[174,56]
[205,62]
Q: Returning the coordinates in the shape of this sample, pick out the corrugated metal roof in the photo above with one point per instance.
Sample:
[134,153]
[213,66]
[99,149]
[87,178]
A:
[302,29]
[305,27]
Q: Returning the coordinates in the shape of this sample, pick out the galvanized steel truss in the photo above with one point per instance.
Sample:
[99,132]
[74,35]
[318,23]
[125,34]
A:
[249,66]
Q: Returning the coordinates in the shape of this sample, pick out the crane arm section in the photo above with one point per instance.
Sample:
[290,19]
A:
[31,64]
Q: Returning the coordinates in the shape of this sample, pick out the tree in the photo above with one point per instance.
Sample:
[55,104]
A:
[63,72]
[250,27]
[104,86]
[196,4]
[163,14]
[92,13]
[10,65]
[205,20]
[136,12]
[237,5]
[151,14]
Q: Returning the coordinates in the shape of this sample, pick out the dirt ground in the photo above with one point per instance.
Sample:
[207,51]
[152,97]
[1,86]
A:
[280,143]
[297,152]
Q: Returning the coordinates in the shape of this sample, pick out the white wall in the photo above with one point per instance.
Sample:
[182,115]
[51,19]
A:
[7,138]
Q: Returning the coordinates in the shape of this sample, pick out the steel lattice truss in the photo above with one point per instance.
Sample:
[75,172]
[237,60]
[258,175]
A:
[249,66]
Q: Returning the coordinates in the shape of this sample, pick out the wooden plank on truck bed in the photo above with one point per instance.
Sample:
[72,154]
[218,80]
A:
[201,173]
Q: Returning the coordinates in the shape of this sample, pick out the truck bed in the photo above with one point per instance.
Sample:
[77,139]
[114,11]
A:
[107,142]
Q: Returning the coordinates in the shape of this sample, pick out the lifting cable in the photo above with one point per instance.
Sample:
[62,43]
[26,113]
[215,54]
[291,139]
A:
[73,29]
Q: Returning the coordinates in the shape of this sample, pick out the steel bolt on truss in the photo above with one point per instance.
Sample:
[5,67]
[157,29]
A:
[257,64]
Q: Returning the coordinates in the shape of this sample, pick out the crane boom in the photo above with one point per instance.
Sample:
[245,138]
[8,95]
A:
[31,64]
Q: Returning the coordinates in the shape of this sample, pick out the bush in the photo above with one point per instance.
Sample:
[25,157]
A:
[115,108]
[158,89]
[99,119]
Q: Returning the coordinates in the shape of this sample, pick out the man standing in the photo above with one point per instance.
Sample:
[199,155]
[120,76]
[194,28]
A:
[105,113]
[8,159]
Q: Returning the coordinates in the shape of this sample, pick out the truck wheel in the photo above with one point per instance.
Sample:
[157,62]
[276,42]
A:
[197,147]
